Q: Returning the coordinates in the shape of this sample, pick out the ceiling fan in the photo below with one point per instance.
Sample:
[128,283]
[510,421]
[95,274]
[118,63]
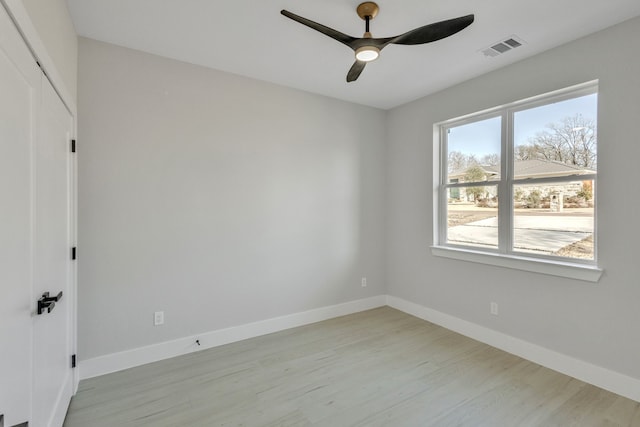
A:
[368,48]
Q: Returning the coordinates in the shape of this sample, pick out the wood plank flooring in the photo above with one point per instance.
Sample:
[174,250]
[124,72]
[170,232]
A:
[380,367]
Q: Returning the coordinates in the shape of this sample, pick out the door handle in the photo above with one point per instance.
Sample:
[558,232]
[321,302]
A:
[47,302]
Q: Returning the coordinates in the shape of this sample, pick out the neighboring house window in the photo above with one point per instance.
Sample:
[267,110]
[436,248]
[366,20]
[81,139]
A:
[520,180]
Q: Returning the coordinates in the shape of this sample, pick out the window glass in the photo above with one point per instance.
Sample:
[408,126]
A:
[556,140]
[469,224]
[554,219]
[473,156]
[471,146]
[562,132]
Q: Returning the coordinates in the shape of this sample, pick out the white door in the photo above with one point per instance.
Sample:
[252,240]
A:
[19,104]
[35,234]
[52,334]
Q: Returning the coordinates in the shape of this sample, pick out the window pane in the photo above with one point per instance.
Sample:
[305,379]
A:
[473,151]
[556,139]
[554,219]
[473,223]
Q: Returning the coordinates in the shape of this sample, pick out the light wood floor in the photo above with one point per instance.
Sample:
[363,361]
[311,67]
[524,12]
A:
[376,368]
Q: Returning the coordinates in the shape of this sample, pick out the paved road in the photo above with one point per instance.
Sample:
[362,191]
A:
[539,234]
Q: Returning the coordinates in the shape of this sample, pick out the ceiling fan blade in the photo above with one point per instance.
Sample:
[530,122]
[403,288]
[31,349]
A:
[355,70]
[334,34]
[432,32]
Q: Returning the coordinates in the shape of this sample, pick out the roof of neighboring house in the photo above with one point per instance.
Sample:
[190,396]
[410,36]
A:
[530,169]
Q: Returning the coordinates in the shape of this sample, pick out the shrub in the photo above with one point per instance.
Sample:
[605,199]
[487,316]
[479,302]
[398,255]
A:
[586,192]
[518,195]
[534,199]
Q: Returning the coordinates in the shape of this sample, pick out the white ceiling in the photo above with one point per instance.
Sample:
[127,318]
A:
[251,38]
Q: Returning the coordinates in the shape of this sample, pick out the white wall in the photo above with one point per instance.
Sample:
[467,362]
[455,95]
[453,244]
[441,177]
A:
[219,199]
[598,322]
[53,23]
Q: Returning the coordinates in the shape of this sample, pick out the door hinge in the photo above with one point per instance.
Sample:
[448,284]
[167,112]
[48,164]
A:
[73,252]
[73,360]
[73,145]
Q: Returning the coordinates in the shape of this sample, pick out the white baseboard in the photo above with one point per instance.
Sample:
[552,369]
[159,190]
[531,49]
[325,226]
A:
[142,355]
[601,377]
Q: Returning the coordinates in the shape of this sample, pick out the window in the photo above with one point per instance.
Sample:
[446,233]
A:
[518,183]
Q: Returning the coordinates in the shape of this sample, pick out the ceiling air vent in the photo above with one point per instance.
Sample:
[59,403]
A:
[503,46]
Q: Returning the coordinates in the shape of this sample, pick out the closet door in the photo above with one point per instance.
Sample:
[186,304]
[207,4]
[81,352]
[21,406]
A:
[52,333]
[19,102]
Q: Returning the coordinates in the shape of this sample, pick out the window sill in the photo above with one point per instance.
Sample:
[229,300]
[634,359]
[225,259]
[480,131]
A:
[554,268]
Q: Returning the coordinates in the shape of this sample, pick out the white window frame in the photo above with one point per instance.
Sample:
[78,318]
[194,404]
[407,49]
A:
[505,256]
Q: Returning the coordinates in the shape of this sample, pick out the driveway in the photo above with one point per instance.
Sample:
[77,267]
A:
[538,234]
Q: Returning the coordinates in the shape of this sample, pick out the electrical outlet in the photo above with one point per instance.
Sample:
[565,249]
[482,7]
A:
[158,318]
[364,282]
[494,308]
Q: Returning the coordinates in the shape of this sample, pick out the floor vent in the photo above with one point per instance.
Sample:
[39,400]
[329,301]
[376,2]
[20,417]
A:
[502,46]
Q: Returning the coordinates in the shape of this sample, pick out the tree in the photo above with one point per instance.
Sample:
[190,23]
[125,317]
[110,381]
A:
[527,152]
[572,141]
[458,161]
[475,174]
[490,159]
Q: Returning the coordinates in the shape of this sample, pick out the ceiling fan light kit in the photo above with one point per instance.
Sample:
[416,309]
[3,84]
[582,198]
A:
[367,53]
[367,48]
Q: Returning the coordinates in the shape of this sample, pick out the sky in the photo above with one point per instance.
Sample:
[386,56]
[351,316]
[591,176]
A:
[483,137]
